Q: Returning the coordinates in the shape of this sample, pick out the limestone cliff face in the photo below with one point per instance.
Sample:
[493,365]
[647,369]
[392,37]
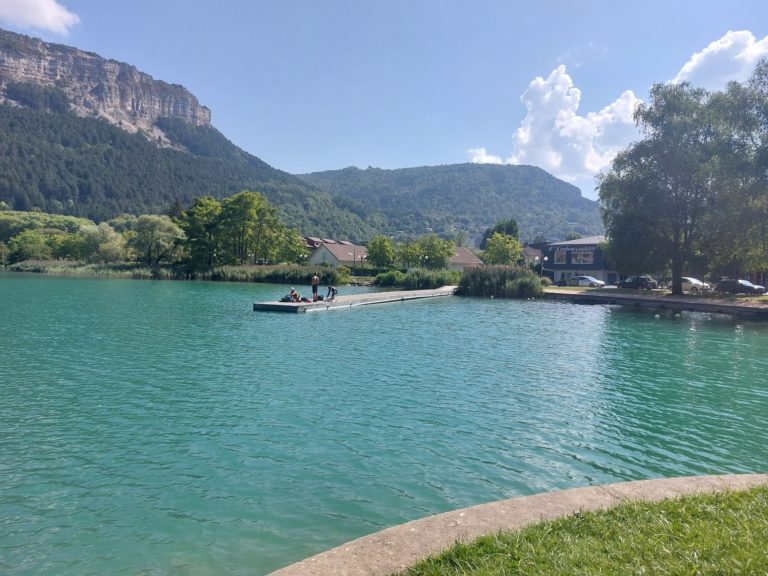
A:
[95,86]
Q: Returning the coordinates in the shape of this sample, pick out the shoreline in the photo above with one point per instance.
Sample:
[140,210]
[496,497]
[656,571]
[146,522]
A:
[747,307]
[394,549]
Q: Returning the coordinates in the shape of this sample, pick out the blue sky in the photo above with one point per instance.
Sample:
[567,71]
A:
[310,85]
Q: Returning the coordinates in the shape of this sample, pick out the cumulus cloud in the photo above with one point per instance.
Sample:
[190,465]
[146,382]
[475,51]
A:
[575,146]
[481,156]
[555,137]
[38,14]
[730,58]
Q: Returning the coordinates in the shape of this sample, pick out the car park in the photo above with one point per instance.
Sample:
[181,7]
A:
[732,286]
[587,281]
[642,282]
[694,285]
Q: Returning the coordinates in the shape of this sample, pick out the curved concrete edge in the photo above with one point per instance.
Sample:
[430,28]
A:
[396,548]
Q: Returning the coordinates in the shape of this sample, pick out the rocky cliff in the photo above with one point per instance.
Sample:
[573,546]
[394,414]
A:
[95,86]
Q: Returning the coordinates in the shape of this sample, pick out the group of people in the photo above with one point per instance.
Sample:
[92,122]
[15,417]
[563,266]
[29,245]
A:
[294,296]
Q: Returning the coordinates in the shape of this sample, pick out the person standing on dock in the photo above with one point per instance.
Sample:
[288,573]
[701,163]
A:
[315,284]
[331,294]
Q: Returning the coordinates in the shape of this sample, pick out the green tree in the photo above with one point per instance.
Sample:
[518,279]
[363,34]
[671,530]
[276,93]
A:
[410,254]
[502,249]
[738,222]
[250,228]
[104,244]
[201,225]
[655,199]
[68,245]
[292,247]
[436,252]
[156,239]
[381,252]
[507,226]
[29,245]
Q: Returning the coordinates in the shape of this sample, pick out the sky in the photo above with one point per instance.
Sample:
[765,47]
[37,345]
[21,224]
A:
[314,85]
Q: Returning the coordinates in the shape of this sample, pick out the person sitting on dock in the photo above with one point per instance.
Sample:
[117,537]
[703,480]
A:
[331,294]
[294,295]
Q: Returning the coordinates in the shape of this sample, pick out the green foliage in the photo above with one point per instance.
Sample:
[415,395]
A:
[381,252]
[410,254]
[694,192]
[502,249]
[508,226]
[38,97]
[29,245]
[410,202]
[391,278]
[200,225]
[435,252]
[419,279]
[12,222]
[63,164]
[722,533]
[500,282]
[156,239]
[296,275]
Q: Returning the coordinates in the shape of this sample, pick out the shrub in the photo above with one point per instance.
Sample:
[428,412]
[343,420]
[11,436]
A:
[501,282]
[391,278]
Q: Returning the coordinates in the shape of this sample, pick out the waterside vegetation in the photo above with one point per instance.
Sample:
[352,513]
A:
[723,533]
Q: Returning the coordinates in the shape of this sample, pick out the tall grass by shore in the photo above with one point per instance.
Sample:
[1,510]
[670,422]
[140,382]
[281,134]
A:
[501,282]
[418,279]
[266,274]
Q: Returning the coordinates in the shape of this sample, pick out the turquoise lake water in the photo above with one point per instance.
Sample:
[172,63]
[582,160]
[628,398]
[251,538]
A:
[164,428]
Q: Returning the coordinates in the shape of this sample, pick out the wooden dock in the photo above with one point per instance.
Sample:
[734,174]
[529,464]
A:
[662,302]
[354,300]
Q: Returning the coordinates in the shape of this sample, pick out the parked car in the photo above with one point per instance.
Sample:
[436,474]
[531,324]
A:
[588,281]
[695,286]
[731,286]
[642,282]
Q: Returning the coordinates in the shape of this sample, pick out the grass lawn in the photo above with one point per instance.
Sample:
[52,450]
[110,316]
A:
[718,534]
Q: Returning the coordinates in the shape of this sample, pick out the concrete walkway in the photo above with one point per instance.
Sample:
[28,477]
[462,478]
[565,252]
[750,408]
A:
[396,548]
[742,308]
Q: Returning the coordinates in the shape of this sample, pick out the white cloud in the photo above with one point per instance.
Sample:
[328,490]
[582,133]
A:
[480,156]
[730,58]
[573,147]
[38,14]
[556,138]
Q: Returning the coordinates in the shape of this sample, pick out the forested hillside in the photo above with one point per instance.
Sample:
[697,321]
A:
[462,197]
[56,162]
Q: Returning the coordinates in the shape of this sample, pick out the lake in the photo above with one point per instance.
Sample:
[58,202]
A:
[165,428]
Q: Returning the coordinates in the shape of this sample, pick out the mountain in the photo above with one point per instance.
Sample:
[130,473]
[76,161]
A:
[86,136]
[462,197]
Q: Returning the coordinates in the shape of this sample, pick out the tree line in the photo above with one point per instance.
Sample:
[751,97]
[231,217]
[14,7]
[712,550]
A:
[240,230]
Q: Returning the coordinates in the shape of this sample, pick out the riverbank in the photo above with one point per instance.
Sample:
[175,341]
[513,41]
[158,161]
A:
[743,306]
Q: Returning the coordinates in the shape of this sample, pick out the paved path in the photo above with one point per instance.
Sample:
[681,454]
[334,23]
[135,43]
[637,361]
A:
[745,308]
[396,548]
